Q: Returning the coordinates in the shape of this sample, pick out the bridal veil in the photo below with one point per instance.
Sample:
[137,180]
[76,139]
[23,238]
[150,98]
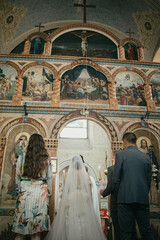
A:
[76,218]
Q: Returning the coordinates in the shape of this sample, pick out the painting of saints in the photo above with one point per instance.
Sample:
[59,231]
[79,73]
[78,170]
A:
[131,51]
[84,83]
[38,84]
[37,46]
[7,82]
[18,149]
[156,89]
[144,144]
[130,89]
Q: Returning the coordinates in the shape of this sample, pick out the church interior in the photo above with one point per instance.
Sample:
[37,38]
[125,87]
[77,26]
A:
[80,73]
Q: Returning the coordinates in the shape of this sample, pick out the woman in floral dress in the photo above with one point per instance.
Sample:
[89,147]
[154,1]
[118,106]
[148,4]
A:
[34,182]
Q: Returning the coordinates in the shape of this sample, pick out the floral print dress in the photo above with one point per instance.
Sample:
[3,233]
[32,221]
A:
[32,205]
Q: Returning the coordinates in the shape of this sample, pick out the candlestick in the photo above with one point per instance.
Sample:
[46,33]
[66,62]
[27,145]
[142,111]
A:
[100,176]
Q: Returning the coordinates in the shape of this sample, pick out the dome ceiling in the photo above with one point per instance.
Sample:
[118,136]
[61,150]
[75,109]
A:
[141,17]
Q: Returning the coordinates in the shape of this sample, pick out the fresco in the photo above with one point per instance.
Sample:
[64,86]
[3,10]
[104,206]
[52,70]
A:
[84,82]
[130,89]
[155,80]
[84,43]
[131,51]
[38,84]
[16,146]
[7,82]
[19,48]
[37,46]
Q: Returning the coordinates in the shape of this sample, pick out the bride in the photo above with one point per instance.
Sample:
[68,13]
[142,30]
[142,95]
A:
[76,218]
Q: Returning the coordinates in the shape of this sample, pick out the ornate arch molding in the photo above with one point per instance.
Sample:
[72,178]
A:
[45,64]
[104,122]
[38,34]
[20,120]
[87,26]
[148,126]
[139,72]
[137,42]
[13,65]
[151,74]
[86,62]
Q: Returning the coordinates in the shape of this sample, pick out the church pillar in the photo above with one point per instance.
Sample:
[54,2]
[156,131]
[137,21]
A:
[47,48]
[52,145]
[113,103]
[55,101]
[121,52]
[16,100]
[148,97]
[116,145]
[141,54]
[26,47]
[2,146]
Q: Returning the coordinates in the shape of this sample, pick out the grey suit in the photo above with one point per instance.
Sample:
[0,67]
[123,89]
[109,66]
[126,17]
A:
[132,175]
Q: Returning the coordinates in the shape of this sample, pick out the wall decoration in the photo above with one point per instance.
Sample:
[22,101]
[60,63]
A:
[19,48]
[37,46]
[131,51]
[84,43]
[84,82]
[16,146]
[130,89]
[155,80]
[7,82]
[38,84]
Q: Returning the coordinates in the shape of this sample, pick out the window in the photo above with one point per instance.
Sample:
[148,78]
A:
[75,129]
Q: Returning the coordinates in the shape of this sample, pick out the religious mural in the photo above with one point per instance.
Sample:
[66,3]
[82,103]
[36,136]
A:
[16,147]
[155,80]
[131,51]
[37,46]
[84,82]
[7,82]
[19,48]
[130,89]
[84,43]
[38,84]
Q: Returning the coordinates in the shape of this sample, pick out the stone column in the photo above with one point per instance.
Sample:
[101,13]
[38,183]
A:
[148,97]
[26,47]
[16,99]
[113,103]
[141,54]
[47,48]
[121,52]
[52,146]
[55,101]
[2,147]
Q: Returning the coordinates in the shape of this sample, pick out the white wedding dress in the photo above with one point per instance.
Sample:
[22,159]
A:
[76,218]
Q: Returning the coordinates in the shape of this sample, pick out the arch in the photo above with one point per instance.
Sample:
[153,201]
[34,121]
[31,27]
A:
[87,26]
[38,34]
[151,74]
[45,64]
[139,72]
[135,41]
[66,163]
[13,65]
[102,121]
[85,62]
[148,126]
[20,121]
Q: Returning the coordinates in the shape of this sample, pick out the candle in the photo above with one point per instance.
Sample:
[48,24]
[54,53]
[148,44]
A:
[100,176]
[64,175]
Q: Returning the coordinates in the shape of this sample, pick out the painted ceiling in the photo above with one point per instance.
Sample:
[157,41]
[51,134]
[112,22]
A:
[142,17]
